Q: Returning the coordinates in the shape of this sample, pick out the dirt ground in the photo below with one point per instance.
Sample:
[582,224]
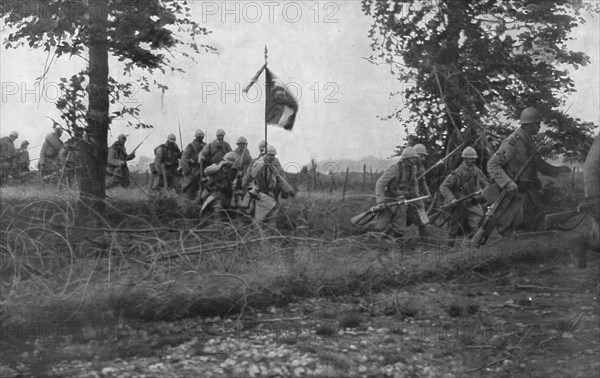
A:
[537,318]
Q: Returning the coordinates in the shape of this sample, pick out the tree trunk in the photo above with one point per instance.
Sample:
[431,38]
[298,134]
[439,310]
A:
[92,192]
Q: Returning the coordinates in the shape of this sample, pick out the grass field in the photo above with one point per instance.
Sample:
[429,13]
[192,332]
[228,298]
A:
[151,259]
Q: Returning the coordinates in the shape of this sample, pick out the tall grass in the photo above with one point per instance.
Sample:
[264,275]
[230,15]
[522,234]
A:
[151,258]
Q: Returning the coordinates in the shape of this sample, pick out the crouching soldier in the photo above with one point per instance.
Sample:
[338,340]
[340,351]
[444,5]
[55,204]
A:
[267,183]
[21,161]
[166,162]
[398,182]
[219,185]
[463,182]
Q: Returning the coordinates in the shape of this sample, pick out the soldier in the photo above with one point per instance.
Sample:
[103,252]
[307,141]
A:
[504,165]
[166,160]
[215,151]
[244,159]
[49,162]
[7,154]
[417,214]
[461,182]
[21,160]
[190,165]
[267,184]
[117,172]
[399,181]
[591,182]
[219,184]
[247,179]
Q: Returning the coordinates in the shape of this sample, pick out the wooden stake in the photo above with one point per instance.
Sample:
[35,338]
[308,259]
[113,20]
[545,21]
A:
[345,183]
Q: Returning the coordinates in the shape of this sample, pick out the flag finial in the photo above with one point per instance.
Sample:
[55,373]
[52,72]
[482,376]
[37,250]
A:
[266,54]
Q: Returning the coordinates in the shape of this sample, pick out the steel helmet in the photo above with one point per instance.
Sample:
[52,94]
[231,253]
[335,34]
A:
[530,115]
[230,157]
[122,137]
[262,145]
[241,140]
[220,132]
[420,149]
[199,133]
[271,150]
[469,152]
[24,143]
[14,134]
[408,152]
[171,137]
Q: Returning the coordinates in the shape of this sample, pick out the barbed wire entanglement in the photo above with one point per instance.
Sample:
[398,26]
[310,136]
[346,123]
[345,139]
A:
[152,257]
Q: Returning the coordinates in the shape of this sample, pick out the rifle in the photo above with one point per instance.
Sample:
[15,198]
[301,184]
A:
[138,146]
[362,217]
[447,207]
[489,220]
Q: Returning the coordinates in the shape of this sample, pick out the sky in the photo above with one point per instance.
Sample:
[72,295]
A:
[317,47]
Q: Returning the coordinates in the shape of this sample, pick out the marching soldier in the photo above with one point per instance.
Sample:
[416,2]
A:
[215,151]
[504,165]
[117,172]
[417,214]
[591,182]
[398,182]
[190,165]
[464,181]
[7,154]
[21,160]
[244,159]
[166,161]
[267,184]
[49,161]
[219,182]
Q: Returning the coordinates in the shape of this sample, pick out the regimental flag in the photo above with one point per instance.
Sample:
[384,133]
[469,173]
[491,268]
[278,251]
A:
[281,105]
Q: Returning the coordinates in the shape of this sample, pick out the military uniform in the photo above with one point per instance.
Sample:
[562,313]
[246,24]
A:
[7,153]
[191,169]
[49,161]
[21,161]
[397,182]
[504,165]
[117,172]
[267,183]
[220,187]
[591,181]
[166,159]
[460,183]
[214,151]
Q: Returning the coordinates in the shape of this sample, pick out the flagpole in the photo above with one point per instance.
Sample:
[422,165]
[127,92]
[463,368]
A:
[266,94]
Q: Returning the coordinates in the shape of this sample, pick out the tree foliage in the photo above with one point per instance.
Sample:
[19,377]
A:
[470,67]
[142,34]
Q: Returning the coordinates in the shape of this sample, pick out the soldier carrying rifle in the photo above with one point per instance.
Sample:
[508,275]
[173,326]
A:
[514,169]
[459,191]
[398,183]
